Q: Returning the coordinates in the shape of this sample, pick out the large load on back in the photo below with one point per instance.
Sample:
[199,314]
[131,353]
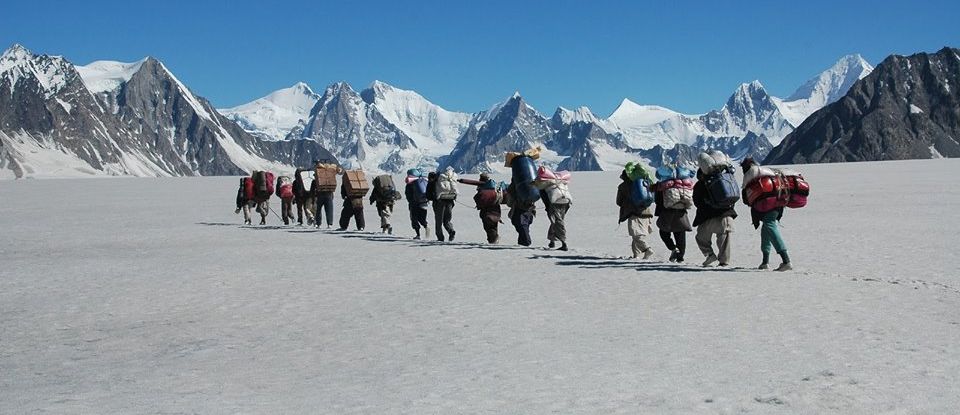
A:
[447,184]
[326,176]
[533,153]
[248,192]
[489,194]
[284,187]
[524,173]
[418,194]
[640,195]
[384,190]
[262,185]
[355,182]
[676,183]
[555,185]
[719,180]
[767,189]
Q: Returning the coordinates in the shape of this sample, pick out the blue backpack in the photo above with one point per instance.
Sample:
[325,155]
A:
[524,173]
[640,195]
[722,190]
[420,191]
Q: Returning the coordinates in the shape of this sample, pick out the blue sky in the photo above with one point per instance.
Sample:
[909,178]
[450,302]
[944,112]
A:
[466,56]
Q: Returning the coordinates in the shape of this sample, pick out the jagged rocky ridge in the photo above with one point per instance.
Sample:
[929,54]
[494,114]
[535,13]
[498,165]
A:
[121,119]
[907,108]
[155,126]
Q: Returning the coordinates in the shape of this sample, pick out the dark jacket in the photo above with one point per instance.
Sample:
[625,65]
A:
[241,196]
[432,187]
[410,192]
[299,189]
[627,209]
[705,211]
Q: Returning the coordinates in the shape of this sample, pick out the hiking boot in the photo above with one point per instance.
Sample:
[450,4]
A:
[647,254]
[563,247]
[710,260]
[674,255]
[764,266]
[451,236]
[784,267]
[552,244]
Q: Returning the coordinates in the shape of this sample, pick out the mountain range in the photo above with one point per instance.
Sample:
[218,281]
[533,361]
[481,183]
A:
[385,128]
[908,108]
[59,119]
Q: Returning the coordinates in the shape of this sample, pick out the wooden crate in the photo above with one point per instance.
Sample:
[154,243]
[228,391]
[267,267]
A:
[356,183]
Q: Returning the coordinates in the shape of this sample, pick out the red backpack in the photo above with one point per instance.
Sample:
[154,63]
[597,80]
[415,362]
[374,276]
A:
[248,192]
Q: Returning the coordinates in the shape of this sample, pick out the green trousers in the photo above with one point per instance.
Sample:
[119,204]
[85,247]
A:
[770,234]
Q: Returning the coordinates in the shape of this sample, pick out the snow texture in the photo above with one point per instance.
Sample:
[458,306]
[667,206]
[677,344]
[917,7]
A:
[157,301]
[106,76]
[277,113]
[824,89]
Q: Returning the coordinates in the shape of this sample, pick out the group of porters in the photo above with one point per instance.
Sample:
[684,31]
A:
[666,196]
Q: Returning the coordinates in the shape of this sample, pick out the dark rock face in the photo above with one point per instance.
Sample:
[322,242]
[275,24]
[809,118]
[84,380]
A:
[356,131]
[907,108]
[513,126]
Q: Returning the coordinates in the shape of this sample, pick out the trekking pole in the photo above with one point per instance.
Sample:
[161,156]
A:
[276,215]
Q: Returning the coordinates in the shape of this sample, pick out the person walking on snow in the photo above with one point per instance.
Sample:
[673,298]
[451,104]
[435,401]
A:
[442,191]
[284,190]
[352,208]
[768,222]
[639,218]
[521,215]
[384,196]
[244,202]
[556,214]
[674,225]
[303,199]
[417,201]
[324,203]
[488,200]
[711,221]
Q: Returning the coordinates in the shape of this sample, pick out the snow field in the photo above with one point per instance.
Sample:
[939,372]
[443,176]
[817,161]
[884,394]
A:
[147,296]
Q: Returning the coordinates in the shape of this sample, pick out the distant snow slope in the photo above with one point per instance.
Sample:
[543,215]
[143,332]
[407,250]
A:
[274,115]
[105,76]
[824,89]
[432,128]
[186,311]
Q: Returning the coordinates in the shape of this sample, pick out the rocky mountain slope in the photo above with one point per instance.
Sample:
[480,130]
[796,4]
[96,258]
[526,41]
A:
[121,119]
[907,108]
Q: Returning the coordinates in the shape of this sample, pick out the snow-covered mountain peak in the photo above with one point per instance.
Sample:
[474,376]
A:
[581,114]
[431,127]
[104,76]
[13,55]
[275,114]
[824,89]
[629,113]
[51,72]
[834,82]
[747,98]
